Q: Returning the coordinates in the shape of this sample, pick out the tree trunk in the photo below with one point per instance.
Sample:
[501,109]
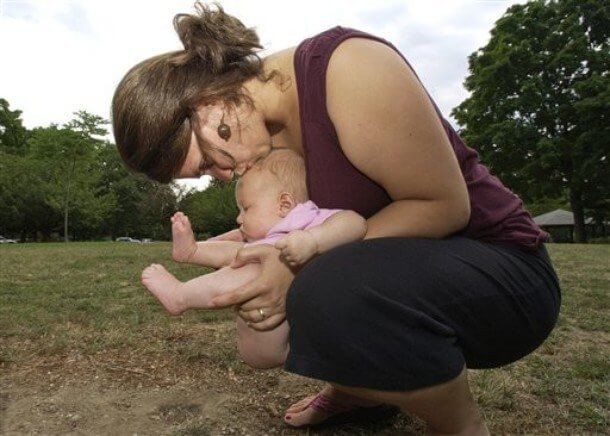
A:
[23,237]
[580,234]
[67,202]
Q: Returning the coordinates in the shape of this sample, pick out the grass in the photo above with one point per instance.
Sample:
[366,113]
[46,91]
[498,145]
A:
[76,314]
[85,290]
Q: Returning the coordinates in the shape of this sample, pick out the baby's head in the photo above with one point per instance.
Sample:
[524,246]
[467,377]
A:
[268,191]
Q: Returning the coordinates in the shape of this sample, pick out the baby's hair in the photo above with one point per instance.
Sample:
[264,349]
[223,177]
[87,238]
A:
[289,168]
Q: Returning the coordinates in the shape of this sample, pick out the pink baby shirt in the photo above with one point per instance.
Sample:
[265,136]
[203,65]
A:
[302,217]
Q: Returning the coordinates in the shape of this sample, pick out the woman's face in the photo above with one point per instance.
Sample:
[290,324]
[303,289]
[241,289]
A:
[211,155]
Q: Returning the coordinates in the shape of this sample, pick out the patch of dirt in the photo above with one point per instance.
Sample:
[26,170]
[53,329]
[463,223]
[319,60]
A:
[188,380]
[184,389]
[94,409]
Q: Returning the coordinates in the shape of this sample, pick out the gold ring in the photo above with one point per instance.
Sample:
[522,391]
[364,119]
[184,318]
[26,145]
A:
[262,312]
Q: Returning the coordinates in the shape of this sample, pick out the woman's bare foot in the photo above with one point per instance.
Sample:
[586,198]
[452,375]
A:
[184,244]
[329,402]
[163,285]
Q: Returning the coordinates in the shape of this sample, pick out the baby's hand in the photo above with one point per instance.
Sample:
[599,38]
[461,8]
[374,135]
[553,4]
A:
[298,247]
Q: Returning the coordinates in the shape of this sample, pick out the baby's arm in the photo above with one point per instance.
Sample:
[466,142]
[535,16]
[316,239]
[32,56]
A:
[231,235]
[301,245]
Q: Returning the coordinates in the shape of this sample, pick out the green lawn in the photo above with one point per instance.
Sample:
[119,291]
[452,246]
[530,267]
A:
[84,348]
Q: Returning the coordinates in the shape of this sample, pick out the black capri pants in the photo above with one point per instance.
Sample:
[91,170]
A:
[399,314]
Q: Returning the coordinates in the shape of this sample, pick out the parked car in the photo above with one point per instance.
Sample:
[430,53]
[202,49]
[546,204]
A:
[4,240]
[146,240]
[128,239]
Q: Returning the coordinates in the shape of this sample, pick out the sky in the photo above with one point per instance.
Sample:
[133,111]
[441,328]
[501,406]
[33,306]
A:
[61,56]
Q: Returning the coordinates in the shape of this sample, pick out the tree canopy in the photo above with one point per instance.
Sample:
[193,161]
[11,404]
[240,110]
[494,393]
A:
[539,108]
[69,181]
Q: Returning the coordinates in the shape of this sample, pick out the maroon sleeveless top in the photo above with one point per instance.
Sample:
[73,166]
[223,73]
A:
[497,215]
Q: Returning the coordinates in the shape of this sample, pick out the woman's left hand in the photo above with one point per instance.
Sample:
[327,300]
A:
[262,302]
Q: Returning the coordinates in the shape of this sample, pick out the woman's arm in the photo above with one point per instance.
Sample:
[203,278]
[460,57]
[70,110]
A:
[389,129]
[419,218]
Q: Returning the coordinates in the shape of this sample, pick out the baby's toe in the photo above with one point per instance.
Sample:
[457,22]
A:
[146,273]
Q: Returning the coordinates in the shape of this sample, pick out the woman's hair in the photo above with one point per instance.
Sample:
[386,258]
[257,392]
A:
[289,168]
[153,105]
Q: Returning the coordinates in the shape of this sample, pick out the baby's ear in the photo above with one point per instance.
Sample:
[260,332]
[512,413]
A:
[286,204]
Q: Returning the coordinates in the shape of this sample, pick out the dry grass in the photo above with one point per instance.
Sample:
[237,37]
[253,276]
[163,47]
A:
[83,348]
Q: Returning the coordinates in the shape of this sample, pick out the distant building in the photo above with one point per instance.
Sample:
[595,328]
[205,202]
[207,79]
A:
[560,224]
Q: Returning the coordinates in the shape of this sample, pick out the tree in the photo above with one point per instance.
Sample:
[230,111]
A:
[24,191]
[72,171]
[212,211]
[12,133]
[142,207]
[86,126]
[540,103]
[70,177]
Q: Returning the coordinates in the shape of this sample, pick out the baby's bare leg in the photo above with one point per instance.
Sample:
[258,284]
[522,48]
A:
[258,349]
[183,239]
[197,293]
[262,350]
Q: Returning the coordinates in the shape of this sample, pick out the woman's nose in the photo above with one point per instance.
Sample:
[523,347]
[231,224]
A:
[241,168]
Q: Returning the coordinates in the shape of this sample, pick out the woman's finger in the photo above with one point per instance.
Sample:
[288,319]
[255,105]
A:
[256,315]
[268,324]
[265,301]
[250,316]
[237,296]
[255,253]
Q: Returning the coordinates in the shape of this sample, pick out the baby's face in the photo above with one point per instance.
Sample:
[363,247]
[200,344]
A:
[257,197]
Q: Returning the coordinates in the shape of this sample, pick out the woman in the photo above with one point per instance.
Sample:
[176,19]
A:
[452,274]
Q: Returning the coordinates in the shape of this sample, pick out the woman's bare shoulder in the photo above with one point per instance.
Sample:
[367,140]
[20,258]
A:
[386,123]
[367,78]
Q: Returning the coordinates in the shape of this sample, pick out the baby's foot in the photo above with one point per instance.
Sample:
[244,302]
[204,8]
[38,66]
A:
[165,287]
[184,244]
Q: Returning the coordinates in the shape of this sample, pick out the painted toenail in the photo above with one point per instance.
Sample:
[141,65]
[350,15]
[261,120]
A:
[288,417]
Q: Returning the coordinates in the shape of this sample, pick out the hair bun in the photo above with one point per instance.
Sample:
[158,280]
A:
[215,37]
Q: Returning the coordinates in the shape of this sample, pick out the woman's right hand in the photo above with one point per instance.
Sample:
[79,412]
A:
[267,293]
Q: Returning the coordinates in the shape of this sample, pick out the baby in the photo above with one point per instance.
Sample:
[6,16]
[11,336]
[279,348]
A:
[273,209]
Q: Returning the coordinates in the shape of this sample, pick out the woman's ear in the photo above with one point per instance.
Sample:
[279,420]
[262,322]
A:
[286,203]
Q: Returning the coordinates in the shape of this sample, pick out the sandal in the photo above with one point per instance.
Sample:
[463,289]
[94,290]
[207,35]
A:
[334,412]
